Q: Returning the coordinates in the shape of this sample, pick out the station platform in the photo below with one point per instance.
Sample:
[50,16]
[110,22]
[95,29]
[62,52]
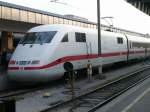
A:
[136,99]
[35,102]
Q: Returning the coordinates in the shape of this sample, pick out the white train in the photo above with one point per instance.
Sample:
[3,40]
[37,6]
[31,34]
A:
[41,55]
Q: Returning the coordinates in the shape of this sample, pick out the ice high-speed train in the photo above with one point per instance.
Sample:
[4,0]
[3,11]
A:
[41,54]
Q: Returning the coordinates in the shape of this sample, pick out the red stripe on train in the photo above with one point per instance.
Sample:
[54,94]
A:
[75,58]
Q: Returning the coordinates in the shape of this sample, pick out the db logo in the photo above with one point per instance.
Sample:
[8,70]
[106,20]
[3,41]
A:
[21,68]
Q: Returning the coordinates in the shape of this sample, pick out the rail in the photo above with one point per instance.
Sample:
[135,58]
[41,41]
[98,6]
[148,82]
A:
[94,99]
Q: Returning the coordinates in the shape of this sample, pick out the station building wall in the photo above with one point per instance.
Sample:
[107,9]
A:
[14,14]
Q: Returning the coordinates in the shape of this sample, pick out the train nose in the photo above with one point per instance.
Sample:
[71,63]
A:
[16,70]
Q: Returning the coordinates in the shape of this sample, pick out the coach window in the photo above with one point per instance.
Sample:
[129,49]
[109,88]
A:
[120,40]
[65,38]
[135,45]
[80,37]
[148,45]
[130,45]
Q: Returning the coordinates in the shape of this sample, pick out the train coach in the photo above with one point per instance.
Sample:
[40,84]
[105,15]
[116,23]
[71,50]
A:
[40,56]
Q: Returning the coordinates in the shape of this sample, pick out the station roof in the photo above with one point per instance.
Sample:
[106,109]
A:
[145,1]
[41,12]
[143,5]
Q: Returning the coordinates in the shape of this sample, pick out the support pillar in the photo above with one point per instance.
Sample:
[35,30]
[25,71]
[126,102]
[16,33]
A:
[139,5]
[149,11]
[101,76]
[6,41]
[100,70]
[143,7]
[89,72]
[134,4]
[6,49]
[146,9]
[10,41]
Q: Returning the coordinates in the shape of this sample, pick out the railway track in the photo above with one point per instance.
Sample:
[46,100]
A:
[94,99]
[27,89]
[13,93]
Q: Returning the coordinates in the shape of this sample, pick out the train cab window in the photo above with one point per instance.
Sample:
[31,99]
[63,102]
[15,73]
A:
[80,37]
[119,40]
[65,38]
[38,37]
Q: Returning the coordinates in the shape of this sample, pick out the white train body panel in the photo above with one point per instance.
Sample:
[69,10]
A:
[50,57]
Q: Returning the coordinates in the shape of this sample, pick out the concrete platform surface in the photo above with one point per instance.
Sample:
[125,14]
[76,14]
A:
[136,99]
[35,102]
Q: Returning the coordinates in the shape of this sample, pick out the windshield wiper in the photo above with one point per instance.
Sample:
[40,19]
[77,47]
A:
[40,40]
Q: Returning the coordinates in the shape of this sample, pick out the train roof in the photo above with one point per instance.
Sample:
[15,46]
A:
[138,39]
[69,28]
[59,27]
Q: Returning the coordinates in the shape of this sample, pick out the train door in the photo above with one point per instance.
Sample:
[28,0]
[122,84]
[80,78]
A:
[89,50]
[80,48]
[92,49]
[128,47]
